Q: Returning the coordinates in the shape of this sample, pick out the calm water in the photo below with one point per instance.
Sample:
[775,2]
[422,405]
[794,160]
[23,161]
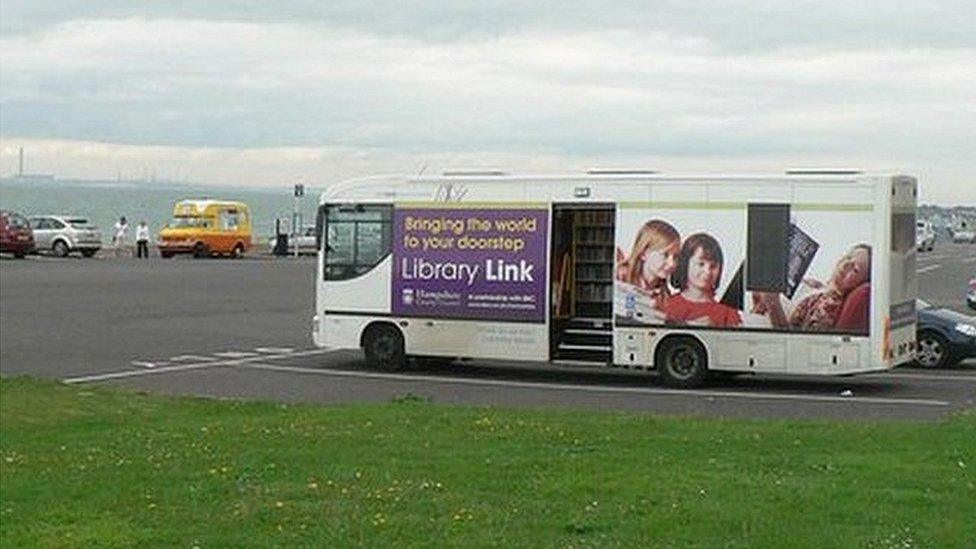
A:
[103,203]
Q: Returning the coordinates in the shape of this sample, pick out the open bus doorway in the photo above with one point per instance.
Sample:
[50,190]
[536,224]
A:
[583,255]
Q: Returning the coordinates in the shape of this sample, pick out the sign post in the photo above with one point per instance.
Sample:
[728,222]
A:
[296,217]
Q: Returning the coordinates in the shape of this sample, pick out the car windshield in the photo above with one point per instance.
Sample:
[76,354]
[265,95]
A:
[184,222]
[79,223]
[922,304]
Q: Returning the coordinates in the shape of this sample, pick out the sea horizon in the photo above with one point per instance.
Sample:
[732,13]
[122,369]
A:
[105,201]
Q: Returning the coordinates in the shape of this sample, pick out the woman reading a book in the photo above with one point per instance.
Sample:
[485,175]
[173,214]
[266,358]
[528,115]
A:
[651,262]
[839,304]
[698,273]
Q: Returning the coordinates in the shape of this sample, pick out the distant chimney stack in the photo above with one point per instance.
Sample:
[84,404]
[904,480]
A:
[20,162]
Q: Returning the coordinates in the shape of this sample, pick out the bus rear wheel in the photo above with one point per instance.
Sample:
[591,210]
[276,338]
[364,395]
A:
[384,348]
[682,363]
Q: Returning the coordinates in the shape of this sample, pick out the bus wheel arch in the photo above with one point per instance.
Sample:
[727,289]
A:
[681,361]
[384,346]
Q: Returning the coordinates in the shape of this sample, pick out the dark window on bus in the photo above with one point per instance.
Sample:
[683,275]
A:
[357,237]
[768,247]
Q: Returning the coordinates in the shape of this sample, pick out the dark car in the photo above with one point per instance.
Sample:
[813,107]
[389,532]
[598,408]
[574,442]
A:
[944,337]
[971,294]
[16,236]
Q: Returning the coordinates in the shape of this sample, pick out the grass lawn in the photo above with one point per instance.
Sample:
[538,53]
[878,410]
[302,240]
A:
[85,466]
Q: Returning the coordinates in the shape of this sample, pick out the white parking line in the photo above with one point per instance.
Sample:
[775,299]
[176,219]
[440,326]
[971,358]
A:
[275,350]
[593,388]
[145,364]
[183,367]
[134,373]
[191,358]
[927,268]
[235,354]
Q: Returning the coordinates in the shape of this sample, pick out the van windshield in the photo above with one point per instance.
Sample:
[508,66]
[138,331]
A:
[181,222]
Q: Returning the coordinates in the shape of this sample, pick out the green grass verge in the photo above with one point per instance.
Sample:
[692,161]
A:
[84,466]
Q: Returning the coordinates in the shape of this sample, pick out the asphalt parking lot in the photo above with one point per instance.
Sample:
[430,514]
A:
[241,329]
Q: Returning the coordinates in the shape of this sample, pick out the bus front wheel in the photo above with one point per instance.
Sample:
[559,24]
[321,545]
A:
[384,348]
[682,362]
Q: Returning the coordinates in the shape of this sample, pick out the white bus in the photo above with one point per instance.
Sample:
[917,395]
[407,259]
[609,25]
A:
[802,273]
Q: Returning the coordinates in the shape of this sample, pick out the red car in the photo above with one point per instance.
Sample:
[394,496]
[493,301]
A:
[16,236]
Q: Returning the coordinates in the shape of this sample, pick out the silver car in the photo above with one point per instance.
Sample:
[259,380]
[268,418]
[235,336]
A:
[63,234]
[306,242]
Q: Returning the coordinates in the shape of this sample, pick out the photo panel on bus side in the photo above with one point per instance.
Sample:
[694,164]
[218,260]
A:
[757,266]
[679,266]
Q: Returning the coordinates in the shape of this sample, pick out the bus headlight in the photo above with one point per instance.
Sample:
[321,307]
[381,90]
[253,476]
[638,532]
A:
[967,329]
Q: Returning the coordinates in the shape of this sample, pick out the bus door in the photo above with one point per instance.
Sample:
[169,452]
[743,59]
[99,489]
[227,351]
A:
[582,266]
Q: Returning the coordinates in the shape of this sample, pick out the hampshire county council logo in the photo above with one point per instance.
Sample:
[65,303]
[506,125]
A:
[408,296]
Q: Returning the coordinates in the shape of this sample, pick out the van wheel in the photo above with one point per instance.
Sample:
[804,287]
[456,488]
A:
[60,249]
[20,255]
[200,251]
[384,348]
[238,251]
[682,363]
[165,255]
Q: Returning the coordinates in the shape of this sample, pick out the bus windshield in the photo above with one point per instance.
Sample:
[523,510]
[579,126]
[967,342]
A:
[357,238]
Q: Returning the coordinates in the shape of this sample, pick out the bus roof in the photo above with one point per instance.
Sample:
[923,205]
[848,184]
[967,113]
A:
[388,185]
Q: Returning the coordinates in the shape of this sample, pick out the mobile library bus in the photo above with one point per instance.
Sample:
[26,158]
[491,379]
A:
[802,273]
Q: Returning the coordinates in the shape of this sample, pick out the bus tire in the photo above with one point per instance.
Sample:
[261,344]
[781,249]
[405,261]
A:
[681,362]
[238,251]
[384,349]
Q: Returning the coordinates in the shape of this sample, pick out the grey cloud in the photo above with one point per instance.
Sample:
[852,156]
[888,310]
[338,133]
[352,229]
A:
[732,25]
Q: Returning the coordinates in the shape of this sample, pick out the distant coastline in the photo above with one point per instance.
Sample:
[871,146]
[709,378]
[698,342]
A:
[49,180]
[103,201]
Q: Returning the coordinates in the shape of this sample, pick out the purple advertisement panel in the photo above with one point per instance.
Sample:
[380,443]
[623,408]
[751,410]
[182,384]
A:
[470,263]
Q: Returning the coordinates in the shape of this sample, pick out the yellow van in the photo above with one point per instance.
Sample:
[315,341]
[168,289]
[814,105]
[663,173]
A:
[205,227]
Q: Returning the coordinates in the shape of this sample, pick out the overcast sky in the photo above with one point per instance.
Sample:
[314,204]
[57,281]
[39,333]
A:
[318,91]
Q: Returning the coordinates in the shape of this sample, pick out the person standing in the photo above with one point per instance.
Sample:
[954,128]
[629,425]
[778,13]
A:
[121,233]
[142,239]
